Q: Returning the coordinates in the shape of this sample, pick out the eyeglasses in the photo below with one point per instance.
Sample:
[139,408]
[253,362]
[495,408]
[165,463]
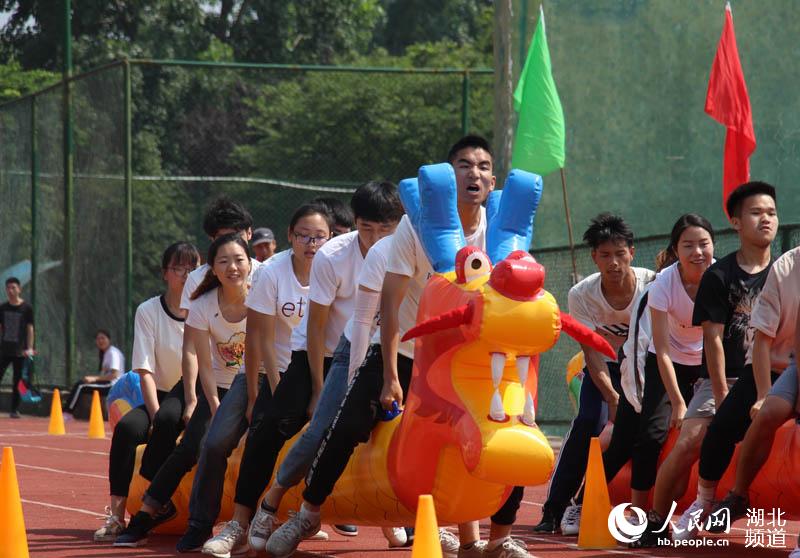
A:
[181,271]
[306,239]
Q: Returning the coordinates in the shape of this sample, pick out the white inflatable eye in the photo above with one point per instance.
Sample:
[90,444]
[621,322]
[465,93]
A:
[476,265]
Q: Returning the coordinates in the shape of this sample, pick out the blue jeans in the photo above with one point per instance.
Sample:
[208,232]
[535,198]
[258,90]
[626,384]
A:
[301,455]
[226,429]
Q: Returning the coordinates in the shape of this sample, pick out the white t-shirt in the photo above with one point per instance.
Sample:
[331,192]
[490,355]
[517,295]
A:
[277,292]
[407,257]
[371,277]
[776,308]
[334,273]
[668,295]
[157,343]
[196,277]
[113,359]
[589,306]
[226,338]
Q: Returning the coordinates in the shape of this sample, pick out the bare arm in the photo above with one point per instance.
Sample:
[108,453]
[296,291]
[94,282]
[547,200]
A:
[149,392]
[762,366]
[259,348]
[315,344]
[715,359]
[189,371]
[394,290]
[205,370]
[598,371]
[30,338]
[660,328]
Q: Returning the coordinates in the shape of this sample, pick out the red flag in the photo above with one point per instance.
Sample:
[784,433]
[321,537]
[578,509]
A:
[727,102]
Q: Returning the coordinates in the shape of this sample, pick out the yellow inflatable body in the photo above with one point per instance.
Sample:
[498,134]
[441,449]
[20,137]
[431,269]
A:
[467,434]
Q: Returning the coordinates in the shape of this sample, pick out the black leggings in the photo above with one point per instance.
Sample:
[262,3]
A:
[276,418]
[728,427]
[184,456]
[16,365]
[639,437]
[134,429]
[360,412]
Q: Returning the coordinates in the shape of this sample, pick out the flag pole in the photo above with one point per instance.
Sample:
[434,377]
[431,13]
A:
[569,227]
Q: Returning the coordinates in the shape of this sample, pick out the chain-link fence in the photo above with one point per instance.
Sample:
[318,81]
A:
[153,143]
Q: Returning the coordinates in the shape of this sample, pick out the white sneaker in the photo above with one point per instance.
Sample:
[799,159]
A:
[450,543]
[261,528]
[694,514]
[571,520]
[112,527]
[287,537]
[232,540]
[509,548]
[396,536]
[319,536]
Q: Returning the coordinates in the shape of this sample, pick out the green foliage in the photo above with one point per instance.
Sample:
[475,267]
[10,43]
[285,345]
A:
[15,82]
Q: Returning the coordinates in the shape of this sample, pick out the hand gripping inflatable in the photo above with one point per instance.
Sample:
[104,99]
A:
[467,433]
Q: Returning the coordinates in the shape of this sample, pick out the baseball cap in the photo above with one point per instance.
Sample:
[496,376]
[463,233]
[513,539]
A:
[262,235]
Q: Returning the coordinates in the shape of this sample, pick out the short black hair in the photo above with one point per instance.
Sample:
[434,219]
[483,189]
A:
[734,204]
[224,213]
[180,253]
[311,209]
[607,227]
[473,141]
[13,280]
[339,211]
[377,201]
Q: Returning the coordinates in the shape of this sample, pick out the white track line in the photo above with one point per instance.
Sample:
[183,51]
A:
[65,508]
[532,503]
[102,453]
[70,473]
[574,546]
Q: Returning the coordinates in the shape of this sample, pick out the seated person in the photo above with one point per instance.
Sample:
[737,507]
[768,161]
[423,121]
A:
[112,364]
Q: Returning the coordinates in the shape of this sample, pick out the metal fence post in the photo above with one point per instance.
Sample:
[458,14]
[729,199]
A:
[34,188]
[128,211]
[465,103]
[69,208]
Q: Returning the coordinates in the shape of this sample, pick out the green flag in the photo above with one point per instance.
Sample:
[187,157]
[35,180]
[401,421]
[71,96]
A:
[539,143]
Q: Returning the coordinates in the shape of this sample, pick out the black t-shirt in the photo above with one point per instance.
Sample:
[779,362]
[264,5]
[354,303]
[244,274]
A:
[15,320]
[726,296]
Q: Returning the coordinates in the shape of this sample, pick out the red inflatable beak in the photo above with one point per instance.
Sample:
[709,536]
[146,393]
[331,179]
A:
[586,336]
[454,318]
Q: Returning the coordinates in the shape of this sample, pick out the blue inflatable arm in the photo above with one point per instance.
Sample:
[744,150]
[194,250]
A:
[128,387]
[439,227]
[493,204]
[409,196]
[511,223]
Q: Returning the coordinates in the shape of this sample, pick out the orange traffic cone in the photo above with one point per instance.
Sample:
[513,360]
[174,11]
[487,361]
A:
[426,530]
[56,418]
[593,531]
[12,525]
[96,428]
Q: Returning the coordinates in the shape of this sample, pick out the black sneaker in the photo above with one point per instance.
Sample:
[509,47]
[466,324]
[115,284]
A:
[135,534]
[409,537]
[650,538]
[167,512]
[737,507]
[346,530]
[14,414]
[193,539]
[551,521]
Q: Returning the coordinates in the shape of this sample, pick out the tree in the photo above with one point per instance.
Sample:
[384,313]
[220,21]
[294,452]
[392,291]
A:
[15,83]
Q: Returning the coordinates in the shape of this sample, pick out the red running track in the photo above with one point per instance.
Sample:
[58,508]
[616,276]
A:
[64,489]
